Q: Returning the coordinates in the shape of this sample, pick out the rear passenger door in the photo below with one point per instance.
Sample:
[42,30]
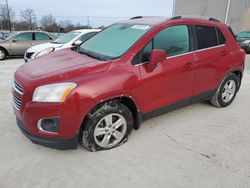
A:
[211,58]
[41,38]
[172,80]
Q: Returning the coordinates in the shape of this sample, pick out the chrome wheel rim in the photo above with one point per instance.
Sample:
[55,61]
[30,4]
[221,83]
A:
[110,130]
[2,54]
[228,91]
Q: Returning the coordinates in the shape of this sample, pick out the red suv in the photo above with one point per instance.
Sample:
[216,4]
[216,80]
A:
[131,71]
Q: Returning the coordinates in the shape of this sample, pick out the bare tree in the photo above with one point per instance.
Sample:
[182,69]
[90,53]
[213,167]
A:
[28,17]
[7,17]
[48,23]
[67,25]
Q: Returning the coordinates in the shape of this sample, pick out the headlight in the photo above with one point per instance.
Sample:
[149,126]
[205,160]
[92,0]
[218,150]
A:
[53,92]
[43,52]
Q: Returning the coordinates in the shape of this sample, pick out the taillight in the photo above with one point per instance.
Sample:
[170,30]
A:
[243,57]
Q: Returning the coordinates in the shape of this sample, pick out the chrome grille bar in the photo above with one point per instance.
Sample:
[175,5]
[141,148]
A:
[17,102]
[18,88]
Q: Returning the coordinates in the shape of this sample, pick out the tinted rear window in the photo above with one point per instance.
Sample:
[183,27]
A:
[206,36]
[221,38]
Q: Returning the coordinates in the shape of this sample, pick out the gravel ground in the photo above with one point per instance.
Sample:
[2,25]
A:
[196,146]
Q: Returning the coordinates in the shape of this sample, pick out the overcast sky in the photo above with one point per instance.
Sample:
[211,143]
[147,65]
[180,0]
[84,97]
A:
[78,10]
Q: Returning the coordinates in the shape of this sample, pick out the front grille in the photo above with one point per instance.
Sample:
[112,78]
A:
[29,54]
[18,88]
[17,102]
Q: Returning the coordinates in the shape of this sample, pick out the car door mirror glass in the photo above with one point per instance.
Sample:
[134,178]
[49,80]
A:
[77,43]
[156,57]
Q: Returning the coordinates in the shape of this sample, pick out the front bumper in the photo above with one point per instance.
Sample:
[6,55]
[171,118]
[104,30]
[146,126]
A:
[56,143]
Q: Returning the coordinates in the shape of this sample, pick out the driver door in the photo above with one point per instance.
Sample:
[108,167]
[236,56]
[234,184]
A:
[21,43]
[172,80]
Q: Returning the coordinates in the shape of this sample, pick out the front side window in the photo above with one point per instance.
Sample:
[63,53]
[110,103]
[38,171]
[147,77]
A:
[41,36]
[114,41]
[174,40]
[206,36]
[24,37]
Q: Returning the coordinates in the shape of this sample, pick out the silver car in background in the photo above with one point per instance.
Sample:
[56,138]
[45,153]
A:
[18,42]
[68,40]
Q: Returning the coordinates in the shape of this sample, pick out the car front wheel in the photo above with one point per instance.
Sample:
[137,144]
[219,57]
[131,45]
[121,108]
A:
[107,127]
[3,54]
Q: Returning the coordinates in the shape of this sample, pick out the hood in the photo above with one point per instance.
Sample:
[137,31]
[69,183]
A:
[60,66]
[44,46]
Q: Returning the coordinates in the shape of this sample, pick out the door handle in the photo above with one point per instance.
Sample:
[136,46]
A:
[223,53]
[188,65]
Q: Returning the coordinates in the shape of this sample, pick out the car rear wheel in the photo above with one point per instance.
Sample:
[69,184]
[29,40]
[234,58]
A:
[3,54]
[108,127]
[226,92]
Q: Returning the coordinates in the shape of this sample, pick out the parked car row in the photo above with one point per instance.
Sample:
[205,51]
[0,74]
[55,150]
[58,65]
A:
[244,40]
[33,44]
[129,72]
[18,42]
[73,38]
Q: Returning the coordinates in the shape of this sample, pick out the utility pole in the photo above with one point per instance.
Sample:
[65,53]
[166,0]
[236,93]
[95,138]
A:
[8,14]
[227,11]
[88,21]
[174,6]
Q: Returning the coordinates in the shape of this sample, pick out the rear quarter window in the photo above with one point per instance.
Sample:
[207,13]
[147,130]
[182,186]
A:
[221,38]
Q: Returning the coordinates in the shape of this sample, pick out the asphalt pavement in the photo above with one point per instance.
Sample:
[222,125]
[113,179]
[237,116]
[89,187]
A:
[196,146]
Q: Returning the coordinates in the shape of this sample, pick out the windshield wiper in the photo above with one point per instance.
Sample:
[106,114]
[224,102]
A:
[92,54]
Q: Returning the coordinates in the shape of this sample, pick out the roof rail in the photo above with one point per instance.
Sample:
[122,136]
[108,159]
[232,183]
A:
[136,17]
[175,18]
[198,17]
[214,19]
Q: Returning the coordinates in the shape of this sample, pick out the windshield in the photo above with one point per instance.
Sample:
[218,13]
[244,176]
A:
[66,37]
[12,35]
[244,35]
[114,41]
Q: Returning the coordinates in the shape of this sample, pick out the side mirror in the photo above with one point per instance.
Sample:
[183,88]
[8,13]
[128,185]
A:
[14,40]
[156,57]
[77,43]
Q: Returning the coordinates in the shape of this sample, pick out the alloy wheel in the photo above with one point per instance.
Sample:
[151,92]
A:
[110,130]
[228,91]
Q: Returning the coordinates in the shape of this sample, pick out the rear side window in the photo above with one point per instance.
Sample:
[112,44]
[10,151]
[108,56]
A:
[86,36]
[206,36]
[174,40]
[41,36]
[221,38]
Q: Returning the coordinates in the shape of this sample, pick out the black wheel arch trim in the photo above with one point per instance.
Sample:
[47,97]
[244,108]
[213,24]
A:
[7,53]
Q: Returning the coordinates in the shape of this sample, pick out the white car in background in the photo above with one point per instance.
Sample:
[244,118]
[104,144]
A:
[68,40]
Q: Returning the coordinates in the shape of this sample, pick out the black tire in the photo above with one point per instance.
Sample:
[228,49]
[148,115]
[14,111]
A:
[217,99]
[3,54]
[88,138]
[247,51]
